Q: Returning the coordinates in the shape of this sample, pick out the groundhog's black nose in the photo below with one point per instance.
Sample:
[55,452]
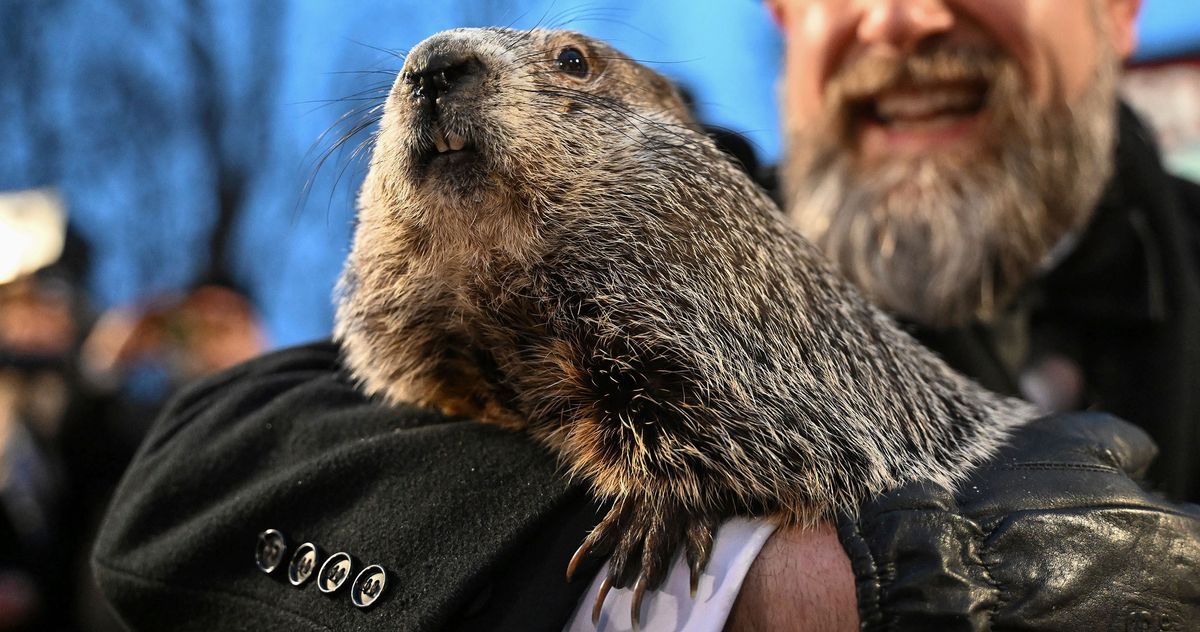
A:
[435,73]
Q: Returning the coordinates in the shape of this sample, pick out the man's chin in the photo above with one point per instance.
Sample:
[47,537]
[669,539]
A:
[941,209]
[921,234]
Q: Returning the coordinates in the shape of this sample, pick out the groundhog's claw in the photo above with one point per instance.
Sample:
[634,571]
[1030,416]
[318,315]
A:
[635,610]
[580,553]
[641,539]
[600,541]
[605,586]
[698,548]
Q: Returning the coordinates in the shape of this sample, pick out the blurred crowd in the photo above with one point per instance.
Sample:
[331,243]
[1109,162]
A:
[78,388]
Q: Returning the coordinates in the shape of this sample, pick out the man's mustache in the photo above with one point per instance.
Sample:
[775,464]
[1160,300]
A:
[867,77]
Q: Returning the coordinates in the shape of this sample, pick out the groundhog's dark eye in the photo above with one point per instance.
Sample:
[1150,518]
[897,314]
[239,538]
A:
[571,61]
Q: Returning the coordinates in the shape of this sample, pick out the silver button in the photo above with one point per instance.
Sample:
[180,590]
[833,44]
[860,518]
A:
[368,586]
[269,550]
[334,572]
[304,563]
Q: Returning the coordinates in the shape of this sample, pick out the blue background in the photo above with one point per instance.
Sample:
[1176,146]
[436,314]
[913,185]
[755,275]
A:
[150,116]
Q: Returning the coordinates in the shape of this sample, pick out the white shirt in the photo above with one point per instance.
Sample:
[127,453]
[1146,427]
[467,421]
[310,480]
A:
[671,608]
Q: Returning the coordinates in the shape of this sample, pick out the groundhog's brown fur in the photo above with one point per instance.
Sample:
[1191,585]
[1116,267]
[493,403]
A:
[593,270]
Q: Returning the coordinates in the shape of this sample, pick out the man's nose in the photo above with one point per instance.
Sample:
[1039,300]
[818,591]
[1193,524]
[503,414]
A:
[902,24]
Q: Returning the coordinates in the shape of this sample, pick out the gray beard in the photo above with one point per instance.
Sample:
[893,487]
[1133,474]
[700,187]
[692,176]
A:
[945,239]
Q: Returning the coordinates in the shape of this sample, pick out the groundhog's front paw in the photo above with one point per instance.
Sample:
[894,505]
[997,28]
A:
[641,538]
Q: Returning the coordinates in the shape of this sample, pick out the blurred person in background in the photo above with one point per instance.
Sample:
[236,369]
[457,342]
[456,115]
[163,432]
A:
[42,317]
[37,334]
[979,134]
[154,348]
[76,399]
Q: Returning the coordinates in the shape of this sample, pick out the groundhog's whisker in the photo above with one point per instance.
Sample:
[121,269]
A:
[349,125]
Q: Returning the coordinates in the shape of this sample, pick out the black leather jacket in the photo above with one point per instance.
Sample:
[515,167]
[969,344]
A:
[1054,534]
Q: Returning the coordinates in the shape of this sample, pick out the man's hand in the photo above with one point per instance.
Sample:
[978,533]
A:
[802,580]
[1053,534]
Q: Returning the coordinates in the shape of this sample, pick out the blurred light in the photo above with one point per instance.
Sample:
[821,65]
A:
[33,227]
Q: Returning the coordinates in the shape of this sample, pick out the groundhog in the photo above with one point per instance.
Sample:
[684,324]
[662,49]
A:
[548,241]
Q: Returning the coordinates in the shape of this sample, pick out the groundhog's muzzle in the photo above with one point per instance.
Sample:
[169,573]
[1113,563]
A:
[440,86]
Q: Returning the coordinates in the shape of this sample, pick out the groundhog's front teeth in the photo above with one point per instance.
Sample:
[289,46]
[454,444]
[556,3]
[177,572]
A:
[439,140]
[447,141]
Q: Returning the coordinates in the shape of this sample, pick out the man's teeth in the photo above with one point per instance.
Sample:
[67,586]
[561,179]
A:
[926,103]
[447,142]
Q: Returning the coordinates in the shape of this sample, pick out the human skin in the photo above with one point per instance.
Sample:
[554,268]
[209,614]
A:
[1055,44]
[801,580]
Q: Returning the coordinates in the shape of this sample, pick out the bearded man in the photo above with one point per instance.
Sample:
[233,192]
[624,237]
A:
[949,156]
[960,162]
